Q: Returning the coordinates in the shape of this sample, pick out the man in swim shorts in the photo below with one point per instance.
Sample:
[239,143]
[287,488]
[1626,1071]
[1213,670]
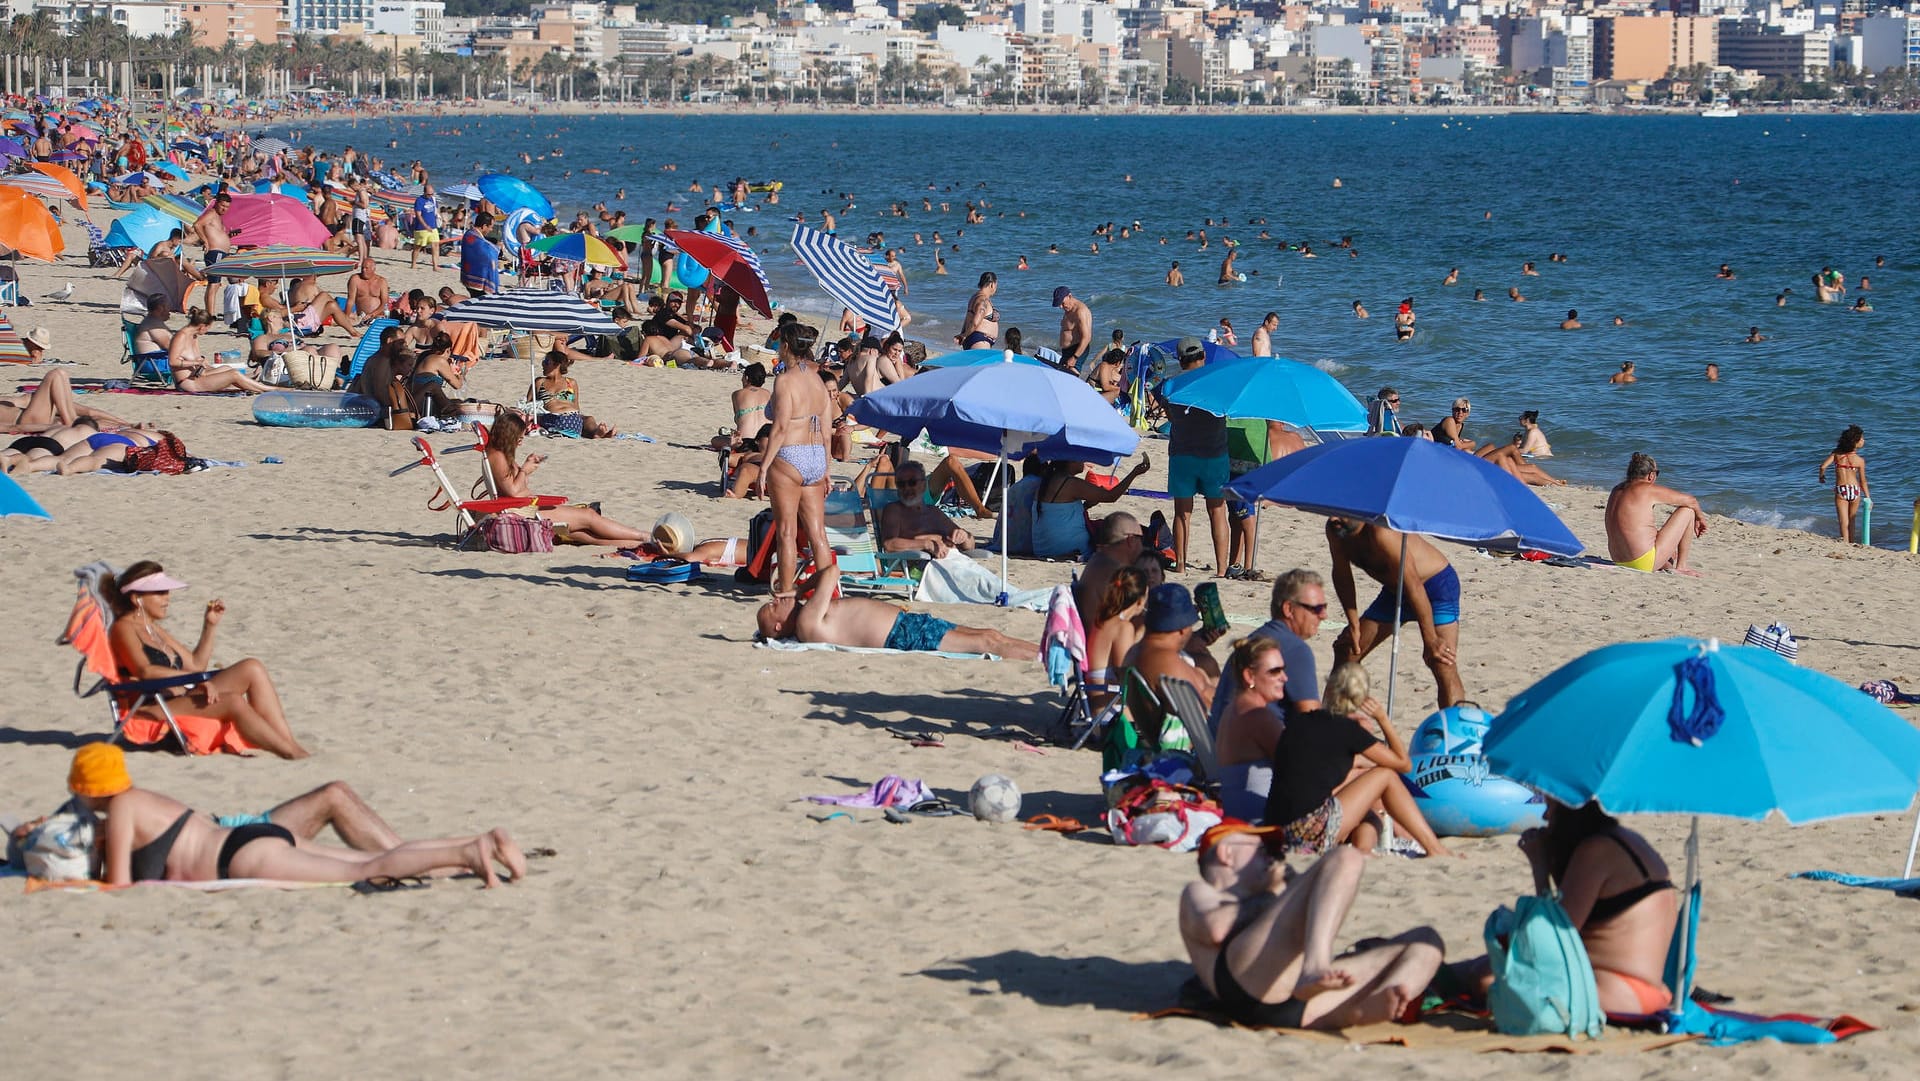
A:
[1632,540]
[858,621]
[1430,596]
[1197,465]
[1260,936]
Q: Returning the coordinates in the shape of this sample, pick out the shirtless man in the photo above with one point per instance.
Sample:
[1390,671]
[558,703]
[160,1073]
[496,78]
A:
[152,336]
[1430,596]
[1076,329]
[910,525]
[1631,538]
[312,306]
[1118,542]
[1171,646]
[980,327]
[796,476]
[1625,374]
[367,292]
[1263,334]
[1572,321]
[857,621]
[214,237]
[1260,936]
[1175,279]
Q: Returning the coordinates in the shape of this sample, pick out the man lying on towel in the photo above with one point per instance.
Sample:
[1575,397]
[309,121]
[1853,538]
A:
[1261,938]
[857,621]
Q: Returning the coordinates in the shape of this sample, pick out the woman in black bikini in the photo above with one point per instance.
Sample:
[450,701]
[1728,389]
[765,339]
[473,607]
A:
[151,837]
[242,693]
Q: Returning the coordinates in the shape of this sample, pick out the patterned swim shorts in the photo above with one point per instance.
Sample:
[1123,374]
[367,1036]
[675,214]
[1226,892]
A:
[918,632]
[1314,832]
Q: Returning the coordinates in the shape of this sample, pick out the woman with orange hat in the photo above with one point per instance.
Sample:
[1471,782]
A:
[242,693]
[151,837]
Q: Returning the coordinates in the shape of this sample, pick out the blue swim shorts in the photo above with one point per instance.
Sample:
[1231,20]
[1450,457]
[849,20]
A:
[232,822]
[1189,476]
[917,632]
[1443,592]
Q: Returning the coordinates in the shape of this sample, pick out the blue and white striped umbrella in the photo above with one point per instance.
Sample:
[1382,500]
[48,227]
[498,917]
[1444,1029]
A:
[847,277]
[534,309]
[270,146]
[510,228]
[461,191]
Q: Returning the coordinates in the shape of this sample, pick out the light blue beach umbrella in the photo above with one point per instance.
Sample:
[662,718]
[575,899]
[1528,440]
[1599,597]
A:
[1007,409]
[289,188]
[512,193]
[1269,388]
[969,358]
[1685,726]
[142,228]
[16,503]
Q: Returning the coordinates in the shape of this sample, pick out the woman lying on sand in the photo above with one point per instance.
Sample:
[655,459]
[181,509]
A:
[241,693]
[78,448]
[584,525]
[151,837]
[51,404]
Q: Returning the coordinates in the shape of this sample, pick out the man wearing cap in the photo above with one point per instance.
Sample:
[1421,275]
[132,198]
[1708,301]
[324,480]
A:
[1170,646]
[1117,543]
[1197,465]
[1076,329]
[1260,936]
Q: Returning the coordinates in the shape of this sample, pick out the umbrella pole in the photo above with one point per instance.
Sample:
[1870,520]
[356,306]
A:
[1682,977]
[1911,847]
[1399,598]
[1006,529]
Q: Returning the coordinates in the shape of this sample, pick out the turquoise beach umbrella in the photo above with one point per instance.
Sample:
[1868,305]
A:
[16,503]
[967,358]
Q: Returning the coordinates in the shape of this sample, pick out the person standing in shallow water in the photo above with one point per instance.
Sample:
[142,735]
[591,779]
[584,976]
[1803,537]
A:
[1849,479]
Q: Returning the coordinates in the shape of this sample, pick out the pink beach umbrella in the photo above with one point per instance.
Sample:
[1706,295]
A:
[256,221]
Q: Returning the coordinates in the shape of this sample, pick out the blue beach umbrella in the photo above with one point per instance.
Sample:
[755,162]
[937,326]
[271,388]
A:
[1414,486]
[1215,351]
[290,189]
[969,358]
[142,228]
[1268,388]
[513,193]
[1004,408]
[16,503]
[1684,726]
[168,168]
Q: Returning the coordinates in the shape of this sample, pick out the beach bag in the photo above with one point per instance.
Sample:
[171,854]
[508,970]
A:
[308,370]
[1542,980]
[400,414]
[1169,816]
[518,533]
[759,566]
[1775,637]
[167,455]
[59,849]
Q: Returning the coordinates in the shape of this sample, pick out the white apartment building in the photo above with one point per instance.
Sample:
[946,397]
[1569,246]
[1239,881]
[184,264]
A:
[425,19]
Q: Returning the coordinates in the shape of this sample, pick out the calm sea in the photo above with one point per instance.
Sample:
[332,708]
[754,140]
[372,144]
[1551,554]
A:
[1645,209]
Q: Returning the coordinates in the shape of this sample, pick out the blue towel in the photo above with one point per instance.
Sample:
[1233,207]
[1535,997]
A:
[1905,887]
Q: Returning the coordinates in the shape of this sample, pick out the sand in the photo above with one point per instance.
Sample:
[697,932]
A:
[695,921]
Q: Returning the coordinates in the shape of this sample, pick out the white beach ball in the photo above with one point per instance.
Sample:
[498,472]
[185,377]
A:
[995,798]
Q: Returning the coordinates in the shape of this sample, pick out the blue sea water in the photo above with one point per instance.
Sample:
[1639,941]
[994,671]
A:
[1645,208]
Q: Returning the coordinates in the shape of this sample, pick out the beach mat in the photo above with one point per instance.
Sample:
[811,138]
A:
[789,645]
[1904,887]
[1447,1032]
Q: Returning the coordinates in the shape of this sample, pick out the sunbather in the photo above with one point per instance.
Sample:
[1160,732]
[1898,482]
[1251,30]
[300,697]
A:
[559,395]
[242,693]
[910,525]
[151,837]
[51,405]
[1260,936]
[84,449]
[191,374]
[858,621]
[584,525]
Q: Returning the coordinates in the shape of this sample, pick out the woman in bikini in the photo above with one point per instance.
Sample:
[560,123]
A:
[1616,892]
[980,328]
[154,838]
[584,524]
[1113,634]
[50,405]
[559,395]
[242,693]
[190,374]
[433,372]
[1533,442]
[796,453]
[750,403]
[1849,478]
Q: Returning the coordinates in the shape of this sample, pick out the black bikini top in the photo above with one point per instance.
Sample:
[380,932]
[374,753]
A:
[1608,908]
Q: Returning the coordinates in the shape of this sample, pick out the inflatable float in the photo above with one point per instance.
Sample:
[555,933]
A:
[315,409]
[1452,785]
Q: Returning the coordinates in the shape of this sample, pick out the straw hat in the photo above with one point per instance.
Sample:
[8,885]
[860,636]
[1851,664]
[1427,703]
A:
[674,532]
[39,336]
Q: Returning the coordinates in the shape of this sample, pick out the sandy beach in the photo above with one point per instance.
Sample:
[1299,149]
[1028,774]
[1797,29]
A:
[696,922]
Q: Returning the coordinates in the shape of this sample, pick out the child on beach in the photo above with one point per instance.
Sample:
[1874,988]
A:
[1849,478]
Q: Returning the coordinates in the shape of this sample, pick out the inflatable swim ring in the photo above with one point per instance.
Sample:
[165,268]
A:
[1452,786]
[315,409]
[690,273]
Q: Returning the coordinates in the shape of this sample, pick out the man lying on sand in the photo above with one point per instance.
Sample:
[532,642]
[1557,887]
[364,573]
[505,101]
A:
[857,621]
[153,837]
[1631,538]
[1261,938]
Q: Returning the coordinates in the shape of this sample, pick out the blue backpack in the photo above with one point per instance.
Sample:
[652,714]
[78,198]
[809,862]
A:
[1542,981]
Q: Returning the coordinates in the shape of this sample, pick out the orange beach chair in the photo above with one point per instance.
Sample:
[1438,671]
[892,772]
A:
[139,712]
[470,511]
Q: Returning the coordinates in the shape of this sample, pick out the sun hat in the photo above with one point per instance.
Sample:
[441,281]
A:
[99,770]
[1060,295]
[1190,348]
[674,532]
[157,582]
[39,336]
[1228,827]
[1170,608]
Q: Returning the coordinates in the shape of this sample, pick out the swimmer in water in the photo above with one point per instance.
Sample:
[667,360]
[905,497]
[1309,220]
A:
[1479,294]
[1359,310]
[1725,274]
[1865,285]
[1713,372]
[1526,268]
[1860,305]
[1452,278]
[1754,335]
[1513,294]
[1023,264]
[1572,321]
[1625,374]
[1175,279]
[1403,321]
[1780,298]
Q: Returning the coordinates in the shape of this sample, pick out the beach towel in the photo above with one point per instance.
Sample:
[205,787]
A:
[1905,887]
[1065,638]
[889,791]
[958,578]
[790,645]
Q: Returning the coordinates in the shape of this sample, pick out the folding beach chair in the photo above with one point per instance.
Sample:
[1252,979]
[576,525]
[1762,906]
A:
[145,373]
[471,512]
[850,533]
[137,709]
[1183,701]
[9,285]
[368,346]
[910,564]
[1064,649]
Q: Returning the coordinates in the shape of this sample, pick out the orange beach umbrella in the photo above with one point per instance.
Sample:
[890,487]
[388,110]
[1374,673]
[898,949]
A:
[27,227]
